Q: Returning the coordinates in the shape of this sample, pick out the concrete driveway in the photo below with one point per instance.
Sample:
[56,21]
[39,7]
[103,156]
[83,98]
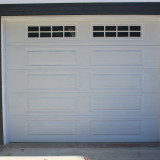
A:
[94,151]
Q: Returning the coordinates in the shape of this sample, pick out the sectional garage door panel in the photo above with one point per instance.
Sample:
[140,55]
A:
[74,56]
[84,28]
[70,82]
[96,80]
[83,104]
[82,129]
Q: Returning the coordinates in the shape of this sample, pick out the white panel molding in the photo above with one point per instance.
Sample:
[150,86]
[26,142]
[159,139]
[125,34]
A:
[116,81]
[116,57]
[116,102]
[51,57]
[116,127]
[44,81]
[52,104]
[52,127]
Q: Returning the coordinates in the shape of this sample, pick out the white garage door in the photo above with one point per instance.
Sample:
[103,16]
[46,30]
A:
[83,78]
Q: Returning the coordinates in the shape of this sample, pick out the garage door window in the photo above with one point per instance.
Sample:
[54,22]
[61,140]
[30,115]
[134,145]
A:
[116,31]
[51,31]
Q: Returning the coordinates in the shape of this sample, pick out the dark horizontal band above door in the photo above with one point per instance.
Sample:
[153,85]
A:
[138,8]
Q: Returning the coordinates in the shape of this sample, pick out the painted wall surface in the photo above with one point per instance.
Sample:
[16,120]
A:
[69,1]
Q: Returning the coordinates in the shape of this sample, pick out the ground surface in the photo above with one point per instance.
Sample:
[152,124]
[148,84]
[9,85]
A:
[95,151]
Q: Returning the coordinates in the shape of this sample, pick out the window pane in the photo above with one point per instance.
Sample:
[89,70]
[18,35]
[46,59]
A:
[33,28]
[98,34]
[33,35]
[135,34]
[69,28]
[44,34]
[57,28]
[45,28]
[110,34]
[110,28]
[135,28]
[98,28]
[123,28]
[69,34]
[57,34]
[122,34]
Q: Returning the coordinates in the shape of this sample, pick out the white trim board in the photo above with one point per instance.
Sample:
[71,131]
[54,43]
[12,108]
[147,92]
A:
[3,64]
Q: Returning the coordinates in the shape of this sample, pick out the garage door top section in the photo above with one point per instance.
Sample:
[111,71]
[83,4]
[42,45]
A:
[97,30]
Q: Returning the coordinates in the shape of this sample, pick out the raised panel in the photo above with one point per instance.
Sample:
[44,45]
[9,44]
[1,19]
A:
[102,103]
[56,104]
[52,81]
[52,127]
[116,127]
[52,57]
[44,103]
[116,81]
[121,57]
